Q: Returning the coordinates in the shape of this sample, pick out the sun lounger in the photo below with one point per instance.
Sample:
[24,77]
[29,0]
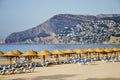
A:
[4,69]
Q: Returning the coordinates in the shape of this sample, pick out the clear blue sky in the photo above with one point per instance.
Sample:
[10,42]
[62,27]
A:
[19,15]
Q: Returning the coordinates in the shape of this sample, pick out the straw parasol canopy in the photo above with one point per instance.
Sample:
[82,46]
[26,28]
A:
[116,49]
[89,50]
[29,53]
[79,51]
[107,50]
[69,51]
[1,53]
[17,52]
[10,54]
[99,50]
[44,53]
[57,52]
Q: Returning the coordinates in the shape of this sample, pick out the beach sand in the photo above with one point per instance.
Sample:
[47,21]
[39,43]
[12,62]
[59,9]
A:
[97,71]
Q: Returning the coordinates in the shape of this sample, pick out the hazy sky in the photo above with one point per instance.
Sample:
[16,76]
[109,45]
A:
[19,15]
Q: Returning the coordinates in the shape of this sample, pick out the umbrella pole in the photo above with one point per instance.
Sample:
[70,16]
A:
[79,55]
[91,55]
[117,56]
[10,61]
[17,58]
[43,58]
[98,56]
[57,58]
[68,56]
[86,56]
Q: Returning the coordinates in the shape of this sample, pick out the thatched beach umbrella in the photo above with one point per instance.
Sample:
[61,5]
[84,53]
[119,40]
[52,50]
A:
[116,50]
[108,51]
[79,51]
[57,52]
[10,54]
[1,53]
[68,52]
[44,53]
[89,51]
[119,52]
[99,51]
[18,53]
[29,54]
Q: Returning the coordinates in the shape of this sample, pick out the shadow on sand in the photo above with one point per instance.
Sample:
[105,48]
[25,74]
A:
[103,79]
[49,77]
[62,77]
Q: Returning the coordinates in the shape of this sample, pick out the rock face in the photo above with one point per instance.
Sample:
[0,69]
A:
[114,39]
[71,29]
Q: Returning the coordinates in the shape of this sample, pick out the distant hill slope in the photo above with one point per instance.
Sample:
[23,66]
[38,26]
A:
[71,29]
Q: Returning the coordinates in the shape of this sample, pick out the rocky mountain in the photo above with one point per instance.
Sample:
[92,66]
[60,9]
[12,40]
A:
[71,29]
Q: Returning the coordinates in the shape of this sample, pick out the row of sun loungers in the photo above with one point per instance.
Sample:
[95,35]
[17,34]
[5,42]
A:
[104,59]
[17,68]
[29,67]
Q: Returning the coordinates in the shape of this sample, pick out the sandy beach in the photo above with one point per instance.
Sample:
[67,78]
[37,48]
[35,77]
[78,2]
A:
[97,71]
